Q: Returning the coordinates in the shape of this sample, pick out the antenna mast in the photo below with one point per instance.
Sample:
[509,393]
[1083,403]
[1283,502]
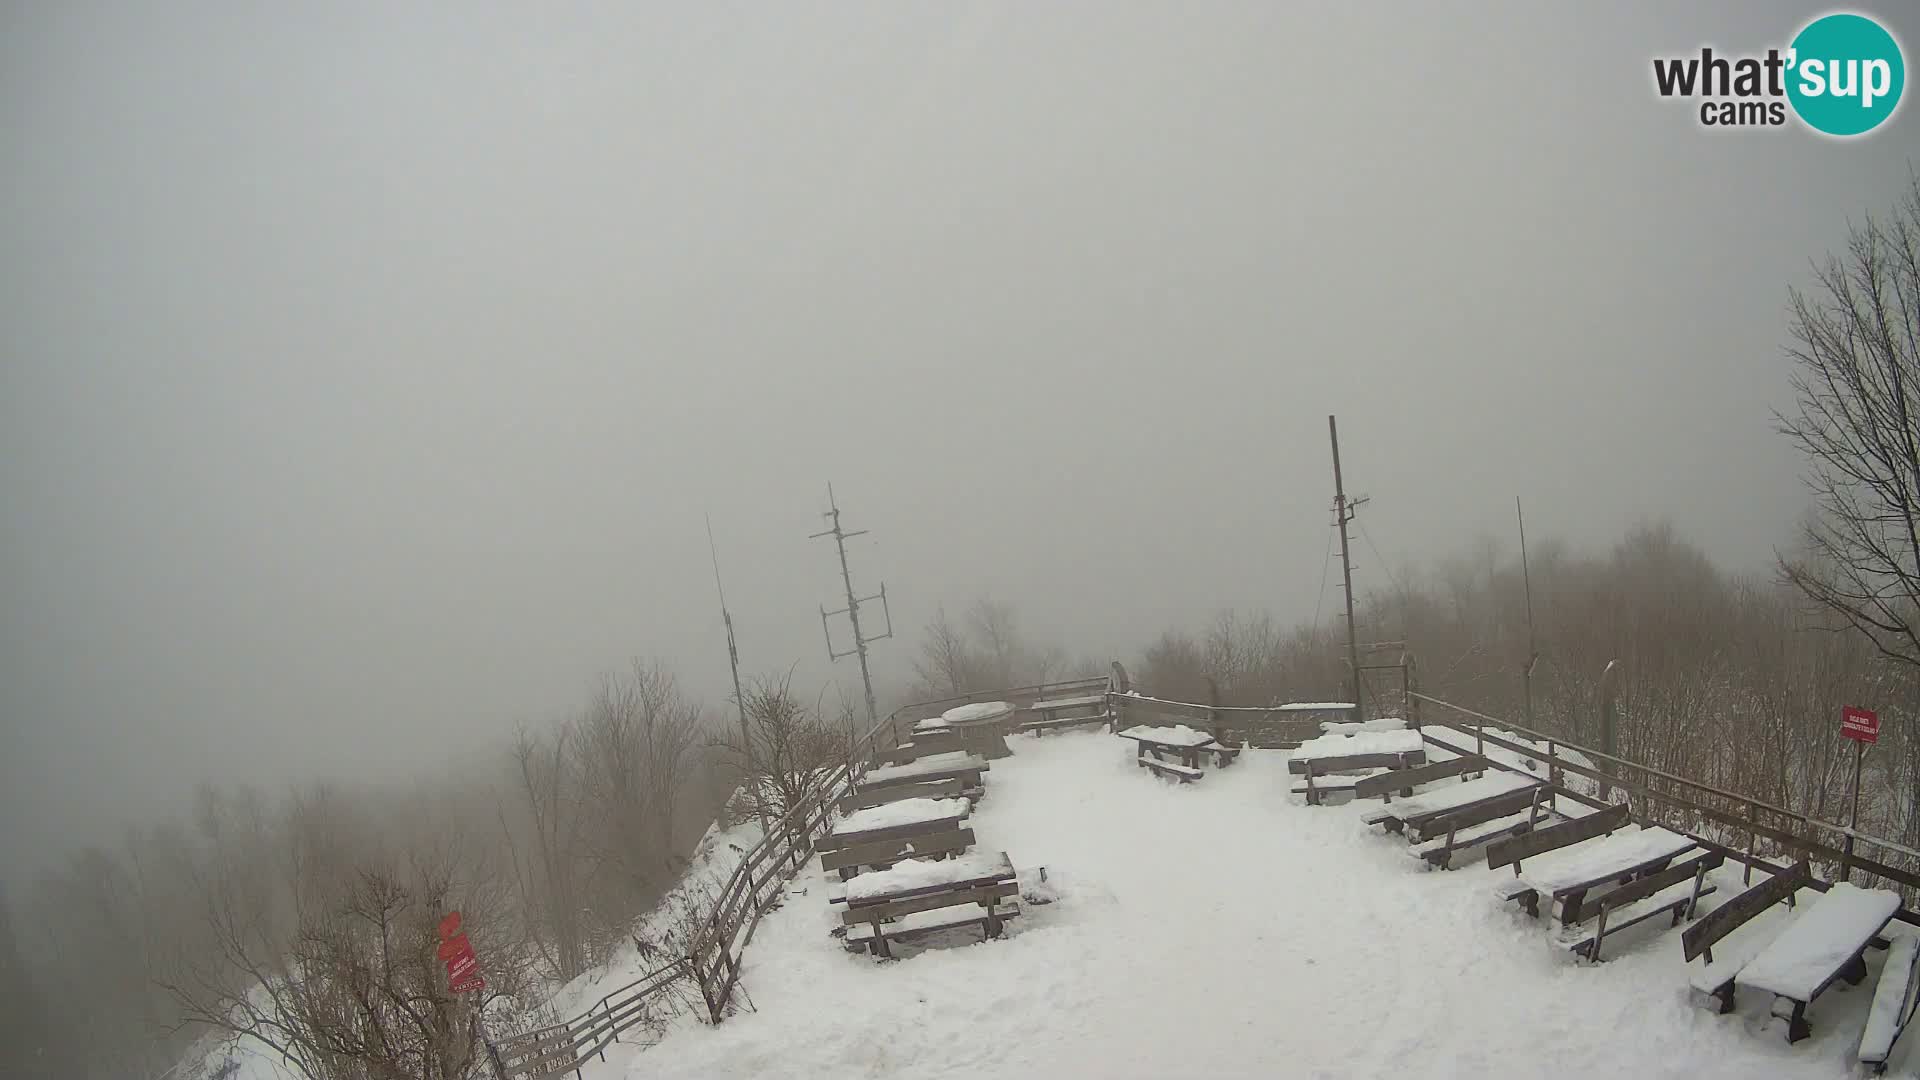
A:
[852,610]
[739,699]
[1343,510]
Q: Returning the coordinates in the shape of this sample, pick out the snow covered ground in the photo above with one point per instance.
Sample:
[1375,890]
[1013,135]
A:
[1222,929]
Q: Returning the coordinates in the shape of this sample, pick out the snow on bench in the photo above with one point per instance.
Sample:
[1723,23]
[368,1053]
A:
[1568,874]
[1894,1000]
[919,875]
[1337,745]
[1676,890]
[1178,735]
[1313,706]
[1429,804]
[895,814]
[1183,773]
[1822,946]
[1440,850]
[861,935]
[952,762]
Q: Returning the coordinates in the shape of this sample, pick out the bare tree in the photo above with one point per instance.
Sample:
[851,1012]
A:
[1856,358]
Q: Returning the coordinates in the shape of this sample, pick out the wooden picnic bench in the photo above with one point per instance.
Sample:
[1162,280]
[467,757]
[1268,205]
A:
[968,768]
[894,821]
[881,854]
[1823,945]
[914,898]
[1057,714]
[1383,785]
[1895,999]
[1714,978]
[1420,816]
[951,788]
[1676,891]
[1153,744]
[1619,857]
[1352,749]
[926,743]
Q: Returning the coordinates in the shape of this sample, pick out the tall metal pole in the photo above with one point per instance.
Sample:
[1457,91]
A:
[852,609]
[739,699]
[1526,578]
[1343,513]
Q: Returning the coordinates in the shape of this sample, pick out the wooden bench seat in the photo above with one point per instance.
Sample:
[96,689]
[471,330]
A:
[1535,804]
[1440,850]
[1895,998]
[883,853]
[860,936]
[1042,727]
[1179,772]
[1715,977]
[865,797]
[1676,890]
[1404,781]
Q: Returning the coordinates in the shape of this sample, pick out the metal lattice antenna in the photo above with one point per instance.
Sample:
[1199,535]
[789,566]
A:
[852,610]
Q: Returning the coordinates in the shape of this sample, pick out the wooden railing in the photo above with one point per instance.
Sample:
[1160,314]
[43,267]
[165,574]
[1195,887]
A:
[1277,727]
[1753,831]
[712,963]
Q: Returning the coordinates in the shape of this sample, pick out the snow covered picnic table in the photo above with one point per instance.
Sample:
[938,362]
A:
[1360,743]
[1568,874]
[1820,947]
[1183,742]
[916,896]
[936,767]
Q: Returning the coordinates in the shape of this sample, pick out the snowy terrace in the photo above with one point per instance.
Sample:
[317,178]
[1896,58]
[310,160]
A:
[1222,929]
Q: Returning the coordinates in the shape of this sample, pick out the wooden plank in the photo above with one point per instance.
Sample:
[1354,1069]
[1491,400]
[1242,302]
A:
[1479,813]
[1349,762]
[836,841]
[939,789]
[1641,888]
[1374,787]
[1895,998]
[891,851]
[924,744]
[982,894]
[1728,917]
[865,932]
[1509,852]
[1168,768]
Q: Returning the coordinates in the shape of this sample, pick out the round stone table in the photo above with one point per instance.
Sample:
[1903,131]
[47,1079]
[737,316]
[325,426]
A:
[981,726]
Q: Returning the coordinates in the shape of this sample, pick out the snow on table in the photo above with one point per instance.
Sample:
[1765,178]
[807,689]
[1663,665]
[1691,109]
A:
[1313,706]
[1364,742]
[1601,858]
[910,875]
[976,713]
[1177,735]
[1450,796]
[931,723]
[1825,936]
[951,761]
[905,812]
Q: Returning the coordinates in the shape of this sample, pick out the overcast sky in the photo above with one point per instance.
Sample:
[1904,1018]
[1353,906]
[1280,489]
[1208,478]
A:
[367,368]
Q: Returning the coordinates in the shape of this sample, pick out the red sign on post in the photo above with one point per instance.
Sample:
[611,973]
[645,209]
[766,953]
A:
[463,968]
[1860,725]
